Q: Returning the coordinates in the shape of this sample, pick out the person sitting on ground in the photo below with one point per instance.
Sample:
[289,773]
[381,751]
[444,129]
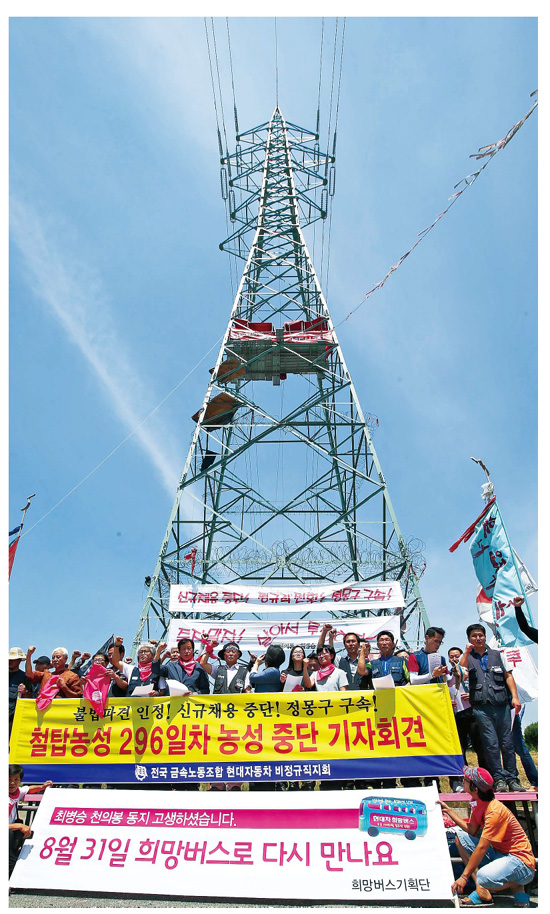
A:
[500,857]
[229,677]
[292,676]
[69,684]
[185,669]
[18,683]
[349,661]
[387,664]
[421,670]
[18,831]
[328,678]
[490,689]
[270,679]
[140,674]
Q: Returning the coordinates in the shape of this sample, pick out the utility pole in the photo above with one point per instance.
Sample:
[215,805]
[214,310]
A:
[282,469]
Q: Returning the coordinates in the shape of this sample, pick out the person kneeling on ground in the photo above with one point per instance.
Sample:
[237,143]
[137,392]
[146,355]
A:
[500,857]
[18,831]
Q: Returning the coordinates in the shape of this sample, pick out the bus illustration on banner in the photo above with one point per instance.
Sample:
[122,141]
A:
[393,816]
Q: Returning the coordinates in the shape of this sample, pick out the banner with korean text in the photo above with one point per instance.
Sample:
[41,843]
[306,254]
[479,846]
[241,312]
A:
[497,572]
[403,732]
[339,598]
[334,845]
[522,665]
[256,635]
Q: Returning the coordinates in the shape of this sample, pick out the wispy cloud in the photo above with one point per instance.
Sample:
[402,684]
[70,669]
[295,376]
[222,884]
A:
[75,296]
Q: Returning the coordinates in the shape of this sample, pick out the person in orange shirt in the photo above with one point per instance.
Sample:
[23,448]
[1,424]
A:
[495,850]
[70,684]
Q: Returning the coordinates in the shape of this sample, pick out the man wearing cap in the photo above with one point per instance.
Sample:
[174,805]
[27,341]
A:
[41,664]
[498,858]
[18,681]
[229,678]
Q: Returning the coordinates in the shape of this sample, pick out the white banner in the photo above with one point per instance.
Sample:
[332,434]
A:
[294,599]
[519,661]
[254,635]
[328,845]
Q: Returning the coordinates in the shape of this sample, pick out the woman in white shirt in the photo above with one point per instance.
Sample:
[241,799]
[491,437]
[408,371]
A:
[327,678]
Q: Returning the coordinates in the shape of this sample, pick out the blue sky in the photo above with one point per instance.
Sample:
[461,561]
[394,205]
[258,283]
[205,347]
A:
[118,287]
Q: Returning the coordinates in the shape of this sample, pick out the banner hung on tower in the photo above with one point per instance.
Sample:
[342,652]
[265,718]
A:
[402,732]
[295,845]
[257,635]
[331,597]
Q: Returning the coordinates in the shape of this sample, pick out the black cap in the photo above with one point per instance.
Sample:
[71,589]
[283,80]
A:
[43,659]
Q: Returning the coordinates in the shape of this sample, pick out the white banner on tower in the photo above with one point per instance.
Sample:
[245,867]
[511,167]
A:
[299,599]
[258,634]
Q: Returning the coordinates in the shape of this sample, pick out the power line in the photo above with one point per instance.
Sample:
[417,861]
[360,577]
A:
[232,79]
[332,172]
[320,76]
[124,440]
[276,65]
[487,152]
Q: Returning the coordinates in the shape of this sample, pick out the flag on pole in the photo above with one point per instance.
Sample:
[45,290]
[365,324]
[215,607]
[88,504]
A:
[496,571]
[16,532]
[191,555]
[14,538]
[529,583]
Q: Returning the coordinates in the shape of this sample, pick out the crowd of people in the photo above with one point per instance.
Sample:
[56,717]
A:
[483,691]
[492,846]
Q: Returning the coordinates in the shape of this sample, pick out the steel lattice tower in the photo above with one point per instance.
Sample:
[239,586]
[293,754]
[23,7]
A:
[281,463]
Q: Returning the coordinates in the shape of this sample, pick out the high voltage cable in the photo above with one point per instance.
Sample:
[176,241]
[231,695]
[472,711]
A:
[276,65]
[334,152]
[487,152]
[124,440]
[232,79]
[232,279]
[219,85]
[320,75]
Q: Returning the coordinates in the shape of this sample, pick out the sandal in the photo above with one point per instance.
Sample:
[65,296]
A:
[475,901]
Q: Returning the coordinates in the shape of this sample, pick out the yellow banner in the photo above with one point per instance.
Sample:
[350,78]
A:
[412,722]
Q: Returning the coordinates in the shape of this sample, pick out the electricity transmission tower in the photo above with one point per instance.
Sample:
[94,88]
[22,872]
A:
[282,482]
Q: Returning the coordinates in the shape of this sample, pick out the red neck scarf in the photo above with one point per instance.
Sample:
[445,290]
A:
[188,666]
[145,670]
[325,672]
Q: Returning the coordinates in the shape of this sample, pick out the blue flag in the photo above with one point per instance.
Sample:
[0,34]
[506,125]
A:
[496,570]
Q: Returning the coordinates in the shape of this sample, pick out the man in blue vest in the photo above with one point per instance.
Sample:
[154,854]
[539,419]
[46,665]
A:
[387,664]
[490,688]
[424,669]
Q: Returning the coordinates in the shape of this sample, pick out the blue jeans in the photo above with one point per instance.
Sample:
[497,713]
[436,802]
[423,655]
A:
[496,869]
[495,731]
[521,749]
